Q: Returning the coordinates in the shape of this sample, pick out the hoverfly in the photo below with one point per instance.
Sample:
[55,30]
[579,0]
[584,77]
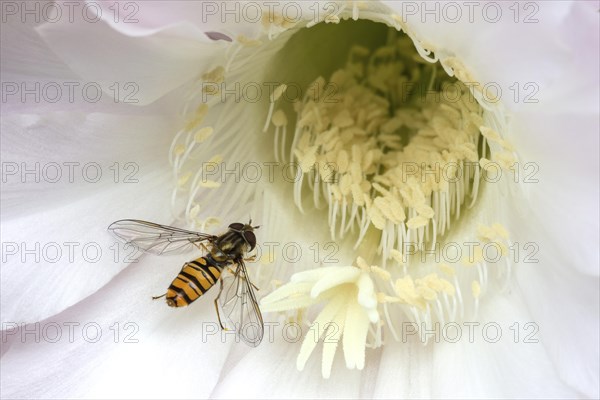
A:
[223,261]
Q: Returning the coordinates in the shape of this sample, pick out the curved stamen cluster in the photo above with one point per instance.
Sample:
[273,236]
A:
[383,156]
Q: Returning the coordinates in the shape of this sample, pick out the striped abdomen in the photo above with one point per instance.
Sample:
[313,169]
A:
[195,278]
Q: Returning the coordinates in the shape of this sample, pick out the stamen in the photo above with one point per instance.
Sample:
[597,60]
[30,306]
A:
[476,290]
[241,43]
[274,97]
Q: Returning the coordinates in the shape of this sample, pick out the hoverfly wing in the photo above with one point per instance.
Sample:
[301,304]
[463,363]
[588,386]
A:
[156,238]
[238,305]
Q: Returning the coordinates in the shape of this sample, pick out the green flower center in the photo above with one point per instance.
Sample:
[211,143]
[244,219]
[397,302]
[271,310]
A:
[385,141]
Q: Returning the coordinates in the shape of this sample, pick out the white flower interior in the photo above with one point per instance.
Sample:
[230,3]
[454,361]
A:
[391,153]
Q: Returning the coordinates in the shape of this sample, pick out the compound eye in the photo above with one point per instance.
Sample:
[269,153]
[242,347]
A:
[250,238]
[236,226]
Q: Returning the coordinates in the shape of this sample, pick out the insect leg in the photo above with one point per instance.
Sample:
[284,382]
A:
[217,305]
[158,297]
[230,270]
[201,246]
[246,279]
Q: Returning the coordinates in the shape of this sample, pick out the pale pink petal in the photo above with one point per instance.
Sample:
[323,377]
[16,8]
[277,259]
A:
[136,19]
[559,173]
[153,65]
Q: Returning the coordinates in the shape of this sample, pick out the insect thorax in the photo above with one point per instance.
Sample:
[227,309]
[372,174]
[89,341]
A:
[230,246]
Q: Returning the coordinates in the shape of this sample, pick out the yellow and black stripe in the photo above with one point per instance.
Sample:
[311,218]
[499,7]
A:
[195,278]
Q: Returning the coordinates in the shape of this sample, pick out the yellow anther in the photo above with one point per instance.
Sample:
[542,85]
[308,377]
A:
[476,289]
[184,179]
[246,41]
[217,75]
[425,211]
[278,92]
[279,118]
[332,19]
[448,270]
[210,184]
[194,211]
[179,150]
[203,134]
[417,222]
[500,230]
[382,273]
[342,161]
[397,256]
[362,264]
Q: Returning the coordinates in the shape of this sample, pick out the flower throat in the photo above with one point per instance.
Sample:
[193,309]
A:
[388,144]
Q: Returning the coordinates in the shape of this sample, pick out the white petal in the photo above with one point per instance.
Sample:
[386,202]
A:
[575,91]
[560,173]
[59,219]
[330,342]
[271,366]
[317,328]
[562,296]
[485,370]
[366,291]
[54,258]
[403,372]
[292,288]
[355,335]
[289,304]
[497,50]
[148,358]
[25,55]
[35,79]
[520,368]
[316,274]
[232,19]
[68,149]
[341,276]
[154,64]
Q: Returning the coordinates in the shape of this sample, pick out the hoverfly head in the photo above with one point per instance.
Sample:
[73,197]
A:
[246,231]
